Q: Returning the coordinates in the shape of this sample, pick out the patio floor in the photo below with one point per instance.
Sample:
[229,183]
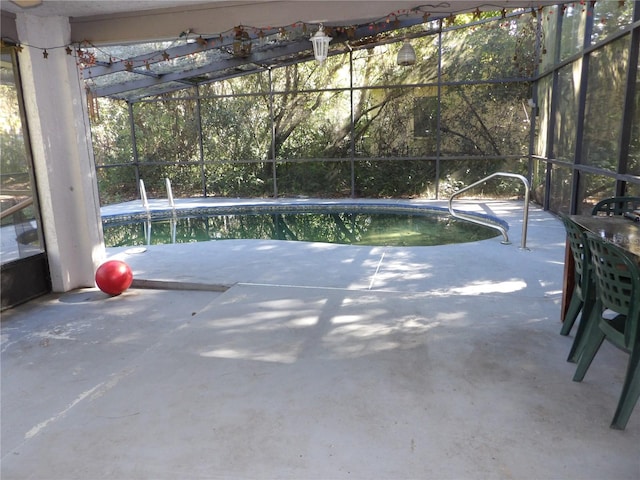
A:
[315,361]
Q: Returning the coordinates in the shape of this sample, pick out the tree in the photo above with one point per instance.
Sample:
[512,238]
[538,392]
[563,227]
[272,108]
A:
[301,115]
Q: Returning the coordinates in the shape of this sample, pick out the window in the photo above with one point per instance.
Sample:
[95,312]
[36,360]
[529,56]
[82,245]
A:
[21,236]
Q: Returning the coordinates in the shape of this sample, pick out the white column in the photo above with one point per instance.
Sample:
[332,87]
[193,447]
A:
[56,109]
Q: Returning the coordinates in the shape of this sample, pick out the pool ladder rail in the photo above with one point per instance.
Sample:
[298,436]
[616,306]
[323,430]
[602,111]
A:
[145,205]
[143,197]
[145,200]
[500,228]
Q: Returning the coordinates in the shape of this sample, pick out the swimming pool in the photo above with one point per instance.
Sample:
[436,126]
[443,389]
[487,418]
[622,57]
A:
[374,224]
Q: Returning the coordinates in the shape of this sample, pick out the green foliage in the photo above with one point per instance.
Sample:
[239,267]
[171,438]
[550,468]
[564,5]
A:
[317,179]
[387,124]
[407,178]
[117,184]
[13,158]
[111,133]
[235,128]
[238,180]
[15,177]
[166,130]
[504,49]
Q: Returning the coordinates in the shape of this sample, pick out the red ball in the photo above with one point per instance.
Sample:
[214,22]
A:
[114,277]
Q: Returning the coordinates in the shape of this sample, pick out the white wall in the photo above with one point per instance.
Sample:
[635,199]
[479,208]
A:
[58,123]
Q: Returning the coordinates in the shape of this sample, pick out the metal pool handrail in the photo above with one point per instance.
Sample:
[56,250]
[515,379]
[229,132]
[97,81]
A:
[143,196]
[500,228]
[145,200]
[170,194]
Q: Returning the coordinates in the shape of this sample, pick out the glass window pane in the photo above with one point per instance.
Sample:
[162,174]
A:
[605,104]
[21,236]
[381,178]
[505,50]
[236,128]
[633,162]
[167,131]
[377,66]
[255,83]
[549,18]
[314,179]
[185,178]
[560,189]
[489,120]
[333,73]
[186,181]
[393,122]
[609,17]
[633,189]
[239,179]
[425,122]
[564,140]
[541,144]
[574,18]
[117,184]
[398,122]
[456,174]
[538,181]
[111,133]
[594,188]
[313,125]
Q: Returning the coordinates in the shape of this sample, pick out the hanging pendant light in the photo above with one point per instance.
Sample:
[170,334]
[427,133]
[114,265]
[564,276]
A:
[406,55]
[320,45]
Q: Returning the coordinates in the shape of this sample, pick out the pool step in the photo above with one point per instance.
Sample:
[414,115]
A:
[174,285]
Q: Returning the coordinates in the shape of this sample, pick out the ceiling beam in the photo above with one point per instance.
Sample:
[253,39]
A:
[263,57]
[216,17]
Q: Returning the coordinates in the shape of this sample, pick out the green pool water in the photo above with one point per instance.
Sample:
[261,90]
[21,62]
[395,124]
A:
[353,228]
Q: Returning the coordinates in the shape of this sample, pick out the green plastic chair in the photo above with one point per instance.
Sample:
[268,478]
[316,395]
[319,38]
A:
[583,297]
[616,206]
[617,278]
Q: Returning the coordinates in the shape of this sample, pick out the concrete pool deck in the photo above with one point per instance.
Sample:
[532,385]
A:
[315,361]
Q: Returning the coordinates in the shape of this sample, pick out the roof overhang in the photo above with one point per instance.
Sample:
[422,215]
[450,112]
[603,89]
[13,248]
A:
[133,49]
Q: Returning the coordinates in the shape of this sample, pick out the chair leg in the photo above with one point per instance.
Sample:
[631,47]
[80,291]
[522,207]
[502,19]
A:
[572,313]
[589,317]
[594,339]
[630,392]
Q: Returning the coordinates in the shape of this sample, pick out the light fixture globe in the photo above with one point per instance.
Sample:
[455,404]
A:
[320,43]
[406,55]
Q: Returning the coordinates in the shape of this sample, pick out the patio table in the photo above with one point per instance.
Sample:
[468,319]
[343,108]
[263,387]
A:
[620,230]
